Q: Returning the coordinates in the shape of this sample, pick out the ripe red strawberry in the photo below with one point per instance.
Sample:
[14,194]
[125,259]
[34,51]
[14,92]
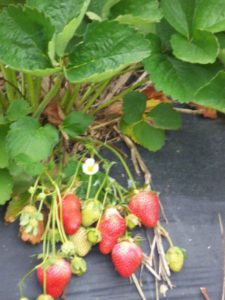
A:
[58,274]
[112,226]
[126,257]
[145,205]
[71,213]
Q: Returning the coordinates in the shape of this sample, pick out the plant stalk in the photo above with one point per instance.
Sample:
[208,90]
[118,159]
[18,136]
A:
[50,95]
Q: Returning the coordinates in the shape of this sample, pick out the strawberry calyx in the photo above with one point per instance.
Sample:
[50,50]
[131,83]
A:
[132,221]
[79,266]
[94,235]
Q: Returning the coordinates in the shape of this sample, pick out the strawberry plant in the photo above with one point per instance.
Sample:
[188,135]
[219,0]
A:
[75,76]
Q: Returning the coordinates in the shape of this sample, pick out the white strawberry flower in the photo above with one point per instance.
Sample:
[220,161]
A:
[90,167]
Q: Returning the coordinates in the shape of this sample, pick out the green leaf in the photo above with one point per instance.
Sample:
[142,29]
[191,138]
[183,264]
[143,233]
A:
[76,123]
[102,7]
[135,13]
[27,165]
[164,31]
[27,137]
[221,39]
[127,129]
[15,206]
[108,48]
[203,48]
[165,117]
[18,109]
[3,149]
[210,15]
[25,34]
[134,105]
[6,185]
[213,93]
[179,13]
[4,3]
[66,16]
[149,137]
[178,79]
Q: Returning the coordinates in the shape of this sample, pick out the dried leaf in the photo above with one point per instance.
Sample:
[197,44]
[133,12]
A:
[15,206]
[207,112]
[33,239]
[151,93]
[114,109]
[54,113]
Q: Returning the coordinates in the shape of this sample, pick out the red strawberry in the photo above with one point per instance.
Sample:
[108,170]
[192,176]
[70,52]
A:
[112,226]
[58,274]
[71,213]
[145,205]
[126,257]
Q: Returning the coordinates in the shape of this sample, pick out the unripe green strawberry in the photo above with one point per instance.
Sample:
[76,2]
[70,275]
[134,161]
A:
[94,235]
[132,221]
[79,266]
[175,258]
[91,212]
[80,241]
[68,249]
[24,298]
[45,297]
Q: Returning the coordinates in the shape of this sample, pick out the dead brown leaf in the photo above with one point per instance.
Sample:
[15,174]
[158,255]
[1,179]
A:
[54,113]
[33,239]
[207,112]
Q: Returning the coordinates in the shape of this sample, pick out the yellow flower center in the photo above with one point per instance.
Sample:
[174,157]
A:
[90,168]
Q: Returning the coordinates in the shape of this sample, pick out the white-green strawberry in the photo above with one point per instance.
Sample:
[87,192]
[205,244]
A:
[175,257]
[91,212]
[80,241]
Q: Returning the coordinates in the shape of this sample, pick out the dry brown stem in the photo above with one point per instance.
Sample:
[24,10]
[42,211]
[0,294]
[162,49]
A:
[205,293]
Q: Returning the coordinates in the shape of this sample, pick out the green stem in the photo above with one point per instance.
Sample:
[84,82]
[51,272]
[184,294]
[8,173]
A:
[74,177]
[9,78]
[69,104]
[37,86]
[59,220]
[45,235]
[35,188]
[30,90]
[96,95]
[89,186]
[50,95]
[22,88]
[54,216]
[117,97]
[3,101]
[23,280]
[115,152]
[103,205]
[86,94]
[103,182]
[65,97]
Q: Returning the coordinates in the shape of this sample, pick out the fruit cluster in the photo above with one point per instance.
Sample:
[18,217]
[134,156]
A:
[75,223]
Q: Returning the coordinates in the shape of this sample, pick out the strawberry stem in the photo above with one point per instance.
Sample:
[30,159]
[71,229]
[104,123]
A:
[58,219]
[103,204]
[74,177]
[24,279]
[165,234]
[115,152]
[138,286]
[89,187]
